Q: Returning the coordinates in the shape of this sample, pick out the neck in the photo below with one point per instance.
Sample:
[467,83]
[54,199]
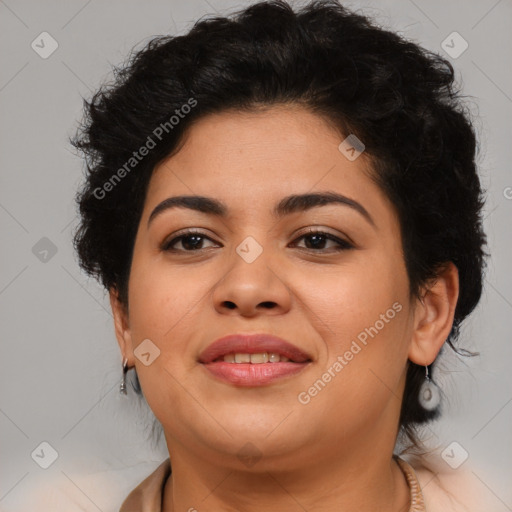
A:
[363,480]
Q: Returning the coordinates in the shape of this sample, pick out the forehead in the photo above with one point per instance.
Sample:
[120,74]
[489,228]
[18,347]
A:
[250,159]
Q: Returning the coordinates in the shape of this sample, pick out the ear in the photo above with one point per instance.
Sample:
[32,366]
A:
[433,316]
[122,328]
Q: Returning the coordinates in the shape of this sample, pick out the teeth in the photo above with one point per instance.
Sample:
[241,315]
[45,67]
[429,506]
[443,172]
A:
[263,357]
[242,358]
[259,358]
[274,358]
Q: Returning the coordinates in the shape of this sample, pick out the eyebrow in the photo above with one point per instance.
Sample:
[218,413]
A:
[287,206]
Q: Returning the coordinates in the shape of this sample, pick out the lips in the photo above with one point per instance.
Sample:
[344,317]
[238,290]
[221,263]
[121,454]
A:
[228,359]
[252,344]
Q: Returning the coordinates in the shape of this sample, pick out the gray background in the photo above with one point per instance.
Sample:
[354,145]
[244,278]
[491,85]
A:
[60,364]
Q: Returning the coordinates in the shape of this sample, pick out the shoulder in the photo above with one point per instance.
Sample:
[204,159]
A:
[448,490]
[66,490]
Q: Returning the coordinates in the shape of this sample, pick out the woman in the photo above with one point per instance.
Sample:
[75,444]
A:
[285,209]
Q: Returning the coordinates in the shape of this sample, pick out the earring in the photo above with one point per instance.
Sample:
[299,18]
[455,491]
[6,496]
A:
[430,394]
[122,388]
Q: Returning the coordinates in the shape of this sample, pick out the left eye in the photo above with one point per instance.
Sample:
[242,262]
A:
[319,238]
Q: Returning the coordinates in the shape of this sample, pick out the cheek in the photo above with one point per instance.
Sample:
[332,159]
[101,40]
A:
[346,301]
[163,302]
[364,313]
[161,298]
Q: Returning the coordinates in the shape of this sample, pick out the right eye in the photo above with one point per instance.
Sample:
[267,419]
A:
[191,241]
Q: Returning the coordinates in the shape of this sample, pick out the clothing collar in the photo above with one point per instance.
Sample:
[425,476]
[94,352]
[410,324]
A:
[148,495]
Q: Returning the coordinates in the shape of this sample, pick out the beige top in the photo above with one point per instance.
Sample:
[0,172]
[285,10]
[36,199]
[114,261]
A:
[148,495]
[434,485]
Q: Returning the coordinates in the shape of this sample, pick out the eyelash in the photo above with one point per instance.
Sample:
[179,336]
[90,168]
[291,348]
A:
[343,244]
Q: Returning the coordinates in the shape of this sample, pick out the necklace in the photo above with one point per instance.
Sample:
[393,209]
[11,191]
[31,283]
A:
[417,503]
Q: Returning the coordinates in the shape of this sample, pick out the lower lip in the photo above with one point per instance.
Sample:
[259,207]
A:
[250,375]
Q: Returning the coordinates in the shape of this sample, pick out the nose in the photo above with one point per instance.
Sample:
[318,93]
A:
[253,288]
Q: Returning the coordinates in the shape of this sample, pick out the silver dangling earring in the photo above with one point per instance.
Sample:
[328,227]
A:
[122,388]
[430,394]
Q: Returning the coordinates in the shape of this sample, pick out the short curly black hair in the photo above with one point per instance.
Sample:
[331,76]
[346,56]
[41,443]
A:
[398,98]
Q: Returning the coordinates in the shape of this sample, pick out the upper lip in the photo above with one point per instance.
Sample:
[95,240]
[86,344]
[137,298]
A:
[252,344]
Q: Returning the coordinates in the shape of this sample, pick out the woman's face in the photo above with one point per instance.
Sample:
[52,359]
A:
[344,304]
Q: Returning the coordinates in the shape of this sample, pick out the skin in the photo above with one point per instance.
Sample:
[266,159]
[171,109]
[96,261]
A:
[335,452]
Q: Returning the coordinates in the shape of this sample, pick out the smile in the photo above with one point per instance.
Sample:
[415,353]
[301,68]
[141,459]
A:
[251,360]
[260,358]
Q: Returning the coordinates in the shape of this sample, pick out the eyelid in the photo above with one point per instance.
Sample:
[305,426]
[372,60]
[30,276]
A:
[343,244]
[325,231]
[164,246]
